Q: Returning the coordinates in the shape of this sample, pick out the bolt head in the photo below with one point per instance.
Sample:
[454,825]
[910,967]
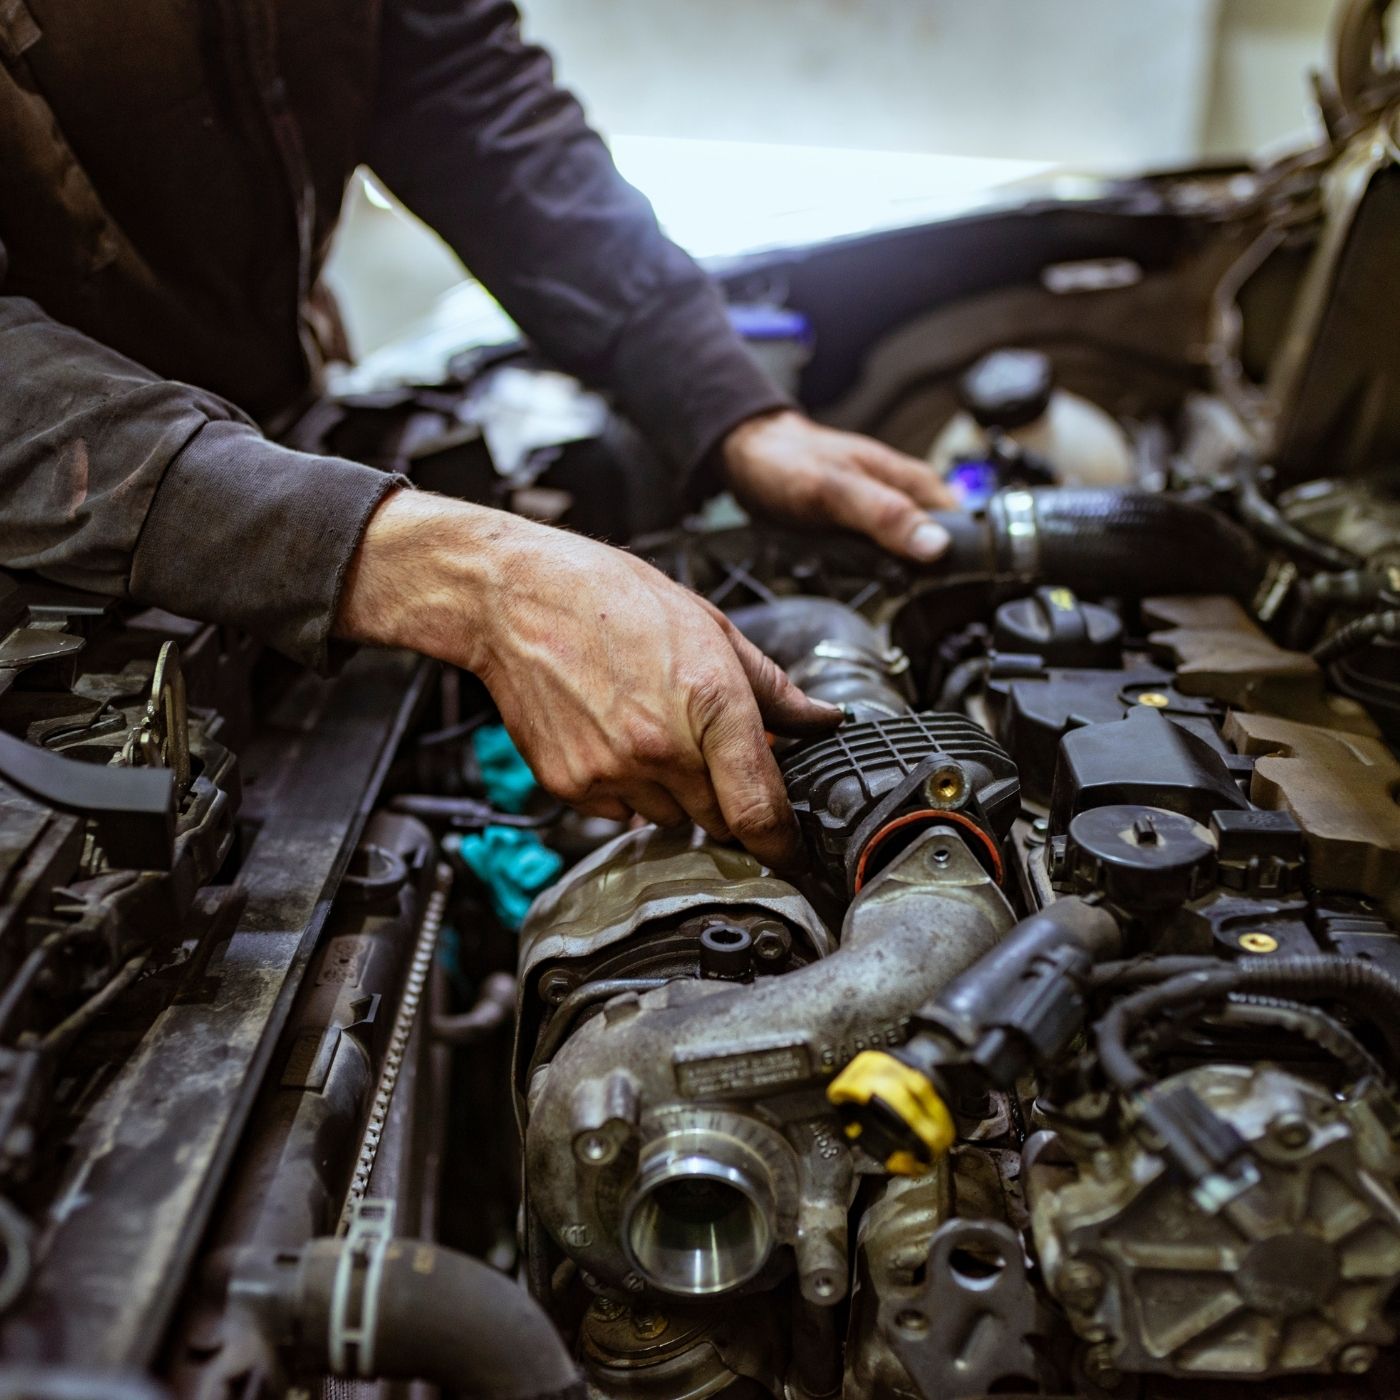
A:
[771,942]
[556,985]
[1356,1359]
[595,1149]
[648,1325]
[1079,1285]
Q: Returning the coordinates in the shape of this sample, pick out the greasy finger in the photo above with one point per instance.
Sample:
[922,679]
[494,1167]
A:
[785,709]
[653,802]
[748,785]
[695,793]
[887,515]
[611,809]
[916,479]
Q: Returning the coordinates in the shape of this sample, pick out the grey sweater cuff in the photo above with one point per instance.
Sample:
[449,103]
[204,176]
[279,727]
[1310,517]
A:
[256,536]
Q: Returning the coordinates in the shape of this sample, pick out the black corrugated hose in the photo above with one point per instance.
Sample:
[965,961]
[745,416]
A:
[1103,542]
[1374,627]
[1362,986]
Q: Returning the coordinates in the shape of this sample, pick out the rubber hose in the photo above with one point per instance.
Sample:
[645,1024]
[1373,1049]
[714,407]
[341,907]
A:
[830,652]
[1267,520]
[1374,627]
[1363,986]
[444,1318]
[1309,1022]
[790,629]
[1102,542]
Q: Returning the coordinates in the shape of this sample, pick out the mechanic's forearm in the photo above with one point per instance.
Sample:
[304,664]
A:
[425,571]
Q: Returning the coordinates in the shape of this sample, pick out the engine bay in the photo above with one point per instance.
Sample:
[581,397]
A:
[336,1058]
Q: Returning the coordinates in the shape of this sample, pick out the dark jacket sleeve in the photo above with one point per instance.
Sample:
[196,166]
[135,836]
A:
[473,135]
[114,480]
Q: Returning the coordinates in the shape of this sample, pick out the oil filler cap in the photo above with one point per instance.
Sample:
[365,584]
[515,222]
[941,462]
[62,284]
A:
[1140,858]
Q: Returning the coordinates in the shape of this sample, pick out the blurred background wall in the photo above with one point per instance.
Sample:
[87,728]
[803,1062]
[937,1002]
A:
[702,95]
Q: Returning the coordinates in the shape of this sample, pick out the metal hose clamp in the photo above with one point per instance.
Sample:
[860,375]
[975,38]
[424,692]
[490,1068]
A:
[354,1318]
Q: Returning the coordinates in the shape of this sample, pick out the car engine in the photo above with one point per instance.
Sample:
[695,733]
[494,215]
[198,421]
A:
[336,1059]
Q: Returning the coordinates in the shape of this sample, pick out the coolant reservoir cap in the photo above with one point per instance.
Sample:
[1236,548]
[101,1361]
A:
[1139,857]
[1008,389]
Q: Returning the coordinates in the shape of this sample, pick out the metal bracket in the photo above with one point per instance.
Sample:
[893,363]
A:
[355,1293]
[967,1330]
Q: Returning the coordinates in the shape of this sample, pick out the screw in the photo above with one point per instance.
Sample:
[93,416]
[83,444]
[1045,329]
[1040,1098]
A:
[607,1309]
[1100,1367]
[1258,942]
[1291,1131]
[595,1149]
[912,1321]
[771,942]
[556,985]
[1080,1286]
[947,785]
[1155,699]
[648,1325]
[1356,1359]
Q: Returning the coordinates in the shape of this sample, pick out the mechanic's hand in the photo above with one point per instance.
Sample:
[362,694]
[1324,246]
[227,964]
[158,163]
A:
[785,466]
[624,691]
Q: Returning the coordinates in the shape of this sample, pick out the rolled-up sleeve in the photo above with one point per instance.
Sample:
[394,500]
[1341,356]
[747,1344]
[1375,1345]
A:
[116,481]
[474,136]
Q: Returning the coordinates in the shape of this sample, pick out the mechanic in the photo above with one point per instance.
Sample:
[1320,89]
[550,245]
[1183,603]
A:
[170,180]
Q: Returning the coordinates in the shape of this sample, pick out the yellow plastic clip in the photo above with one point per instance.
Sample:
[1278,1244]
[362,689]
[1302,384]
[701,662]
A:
[905,1092]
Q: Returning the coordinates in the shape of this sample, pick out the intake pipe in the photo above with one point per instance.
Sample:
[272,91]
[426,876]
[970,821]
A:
[831,653]
[1102,542]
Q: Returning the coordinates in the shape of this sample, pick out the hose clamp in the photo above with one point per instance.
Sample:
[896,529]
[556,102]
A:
[1022,534]
[359,1272]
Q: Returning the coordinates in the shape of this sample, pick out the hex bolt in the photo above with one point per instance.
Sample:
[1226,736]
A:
[594,1149]
[556,985]
[648,1325]
[1291,1130]
[1356,1359]
[607,1309]
[1100,1366]
[1080,1286]
[771,942]
[911,1320]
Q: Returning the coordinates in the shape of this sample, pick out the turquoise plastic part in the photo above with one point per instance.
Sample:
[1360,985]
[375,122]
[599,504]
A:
[504,774]
[514,866]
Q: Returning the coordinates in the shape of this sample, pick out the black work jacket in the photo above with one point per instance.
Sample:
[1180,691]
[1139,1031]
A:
[171,173]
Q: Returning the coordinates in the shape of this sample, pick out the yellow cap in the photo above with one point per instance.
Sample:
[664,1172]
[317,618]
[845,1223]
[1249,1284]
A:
[908,1095]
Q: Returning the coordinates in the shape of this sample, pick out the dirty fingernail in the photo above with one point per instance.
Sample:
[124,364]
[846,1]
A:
[928,541]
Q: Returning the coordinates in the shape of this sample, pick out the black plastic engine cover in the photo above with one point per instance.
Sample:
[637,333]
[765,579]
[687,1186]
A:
[1144,758]
[846,788]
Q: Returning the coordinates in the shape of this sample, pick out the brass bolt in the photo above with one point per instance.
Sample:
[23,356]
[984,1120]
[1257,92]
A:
[1100,1367]
[1258,942]
[1155,699]
[648,1325]
[947,785]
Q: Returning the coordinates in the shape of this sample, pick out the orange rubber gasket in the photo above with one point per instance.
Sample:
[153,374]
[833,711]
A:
[930,814]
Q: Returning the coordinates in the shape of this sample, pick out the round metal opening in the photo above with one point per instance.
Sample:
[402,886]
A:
[698,1226]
